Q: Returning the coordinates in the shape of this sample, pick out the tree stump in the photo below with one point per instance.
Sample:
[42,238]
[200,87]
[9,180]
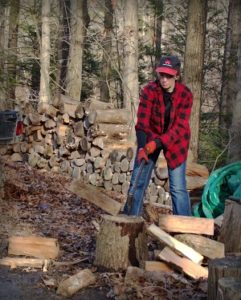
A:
[229,266]
[229,289]
[121,242]
[231,227]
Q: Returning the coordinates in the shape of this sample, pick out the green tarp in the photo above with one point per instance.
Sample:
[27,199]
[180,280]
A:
[221,184]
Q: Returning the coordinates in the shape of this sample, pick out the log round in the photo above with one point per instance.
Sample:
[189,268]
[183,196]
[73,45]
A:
[121,242]
[229,288]
[231,227]
[229,266]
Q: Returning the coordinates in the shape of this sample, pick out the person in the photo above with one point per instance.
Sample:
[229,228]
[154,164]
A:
[163,124]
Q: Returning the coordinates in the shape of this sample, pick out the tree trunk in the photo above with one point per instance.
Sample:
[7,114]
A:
[158,29]
[12,49]
[130,69]
[4,19]
[229,76]
[107,46]
[44,96]
[193,63]
[234,153]
[229,289]
[121,242]
[77,33]
[231,227]
[229,266]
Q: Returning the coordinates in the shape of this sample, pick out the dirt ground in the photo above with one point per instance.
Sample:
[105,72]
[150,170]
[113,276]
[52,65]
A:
[38,203]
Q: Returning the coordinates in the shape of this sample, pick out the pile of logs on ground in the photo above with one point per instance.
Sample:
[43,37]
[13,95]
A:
[89,141]
[185,244]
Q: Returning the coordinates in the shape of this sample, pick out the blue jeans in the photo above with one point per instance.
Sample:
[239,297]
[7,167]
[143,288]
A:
[177,185]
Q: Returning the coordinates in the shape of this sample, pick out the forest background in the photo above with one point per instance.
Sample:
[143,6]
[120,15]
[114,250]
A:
[108,49]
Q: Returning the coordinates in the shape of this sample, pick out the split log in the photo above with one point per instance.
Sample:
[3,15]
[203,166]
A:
[231,227]
[157,266]
[112,116]
[205,246]
[193,182]
[154,210]
[79,112]
[189,267]
[68,105]
[34,118]
[229,266]
[84,144]
[192,169]
[229,288]
[49,109]
[33,246]
[112,130]
[184,224]
[95,196]
[121,242]
[168,240]
[92,105]
[14,262]
[76,282]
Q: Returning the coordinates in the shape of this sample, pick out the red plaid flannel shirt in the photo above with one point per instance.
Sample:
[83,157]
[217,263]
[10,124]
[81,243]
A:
[150,119]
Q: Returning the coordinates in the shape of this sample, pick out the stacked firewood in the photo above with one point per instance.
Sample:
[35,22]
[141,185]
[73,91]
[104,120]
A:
[89,141]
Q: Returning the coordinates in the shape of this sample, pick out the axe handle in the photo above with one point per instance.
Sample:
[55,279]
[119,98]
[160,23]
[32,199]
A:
[133,189]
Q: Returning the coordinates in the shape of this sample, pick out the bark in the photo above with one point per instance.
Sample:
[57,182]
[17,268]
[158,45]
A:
[229,76]
[12,49]
[231,227]
[121,242]
[77,34]
[193,63]
[158,29]
[234,153]
[4,27]
[229,289]
[229,266]
[107,46]
[44,96]
[130,69]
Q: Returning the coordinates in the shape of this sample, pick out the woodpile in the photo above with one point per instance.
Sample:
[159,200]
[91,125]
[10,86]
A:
[89,141]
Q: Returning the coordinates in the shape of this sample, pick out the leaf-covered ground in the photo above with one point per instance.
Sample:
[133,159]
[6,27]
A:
[38,202]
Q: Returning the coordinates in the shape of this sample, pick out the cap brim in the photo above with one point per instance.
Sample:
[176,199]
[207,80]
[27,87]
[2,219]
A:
[166,70]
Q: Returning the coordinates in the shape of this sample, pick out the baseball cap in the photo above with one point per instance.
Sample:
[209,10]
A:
[169,65]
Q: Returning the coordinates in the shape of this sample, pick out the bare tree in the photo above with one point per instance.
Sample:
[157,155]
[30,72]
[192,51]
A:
[44,93]
[234,152]
[12,50]
[107,49]
[229,78]
[4,21]
[193,62]
[130,68]
[77,33]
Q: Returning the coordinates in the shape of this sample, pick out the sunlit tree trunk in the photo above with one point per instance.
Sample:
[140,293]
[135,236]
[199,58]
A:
[229,78]
[12,50]
[158,29]
[4,30]
[130,68]
[193,62]
[234,153]
[44,94]
[74,71]
[107,48]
